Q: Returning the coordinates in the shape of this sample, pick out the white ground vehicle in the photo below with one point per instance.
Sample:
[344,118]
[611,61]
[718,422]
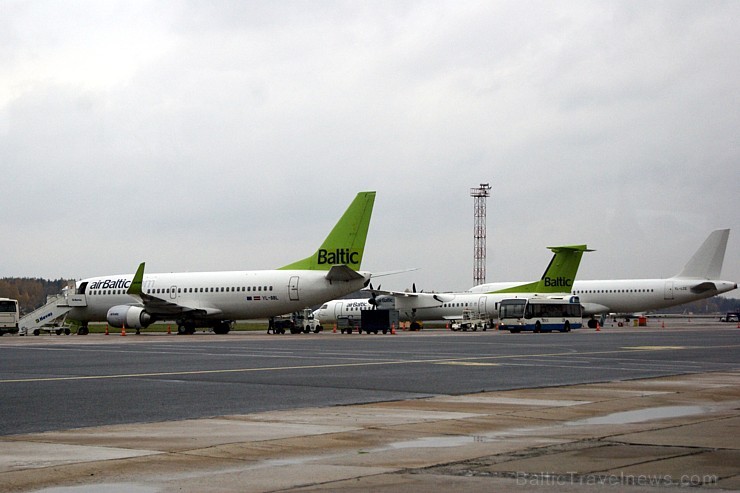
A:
[541,314]
[471,320]
[9,316]
[301,322]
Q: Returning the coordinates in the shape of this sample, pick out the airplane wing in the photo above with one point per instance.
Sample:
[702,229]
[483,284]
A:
[412,299]
[160,306]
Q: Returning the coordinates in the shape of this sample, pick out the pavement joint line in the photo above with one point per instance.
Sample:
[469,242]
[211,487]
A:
[337,365]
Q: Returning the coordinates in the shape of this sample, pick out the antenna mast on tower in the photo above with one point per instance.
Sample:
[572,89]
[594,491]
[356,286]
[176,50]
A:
[479,195]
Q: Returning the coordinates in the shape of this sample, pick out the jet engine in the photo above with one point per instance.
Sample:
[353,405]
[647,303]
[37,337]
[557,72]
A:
[134,317]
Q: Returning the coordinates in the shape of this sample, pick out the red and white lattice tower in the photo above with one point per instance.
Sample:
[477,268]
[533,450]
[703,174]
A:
[479,195]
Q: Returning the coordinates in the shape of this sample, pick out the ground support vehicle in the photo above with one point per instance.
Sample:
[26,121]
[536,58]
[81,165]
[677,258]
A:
[306,321]
[471,320]
[301,322]
[347,324]
[52,329]
[378,320]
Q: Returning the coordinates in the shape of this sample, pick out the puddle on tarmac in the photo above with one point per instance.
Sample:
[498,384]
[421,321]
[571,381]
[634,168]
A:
[621,418]
[101,488]
[640,415]
[434,442]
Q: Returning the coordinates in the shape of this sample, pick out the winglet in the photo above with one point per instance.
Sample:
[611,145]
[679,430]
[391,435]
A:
[560,272]
[135,289]
[346,242]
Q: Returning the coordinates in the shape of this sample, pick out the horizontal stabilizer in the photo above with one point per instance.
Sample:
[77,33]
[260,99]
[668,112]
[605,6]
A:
[703,287]
[342,273]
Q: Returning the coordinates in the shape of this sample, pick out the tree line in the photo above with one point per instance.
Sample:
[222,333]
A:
[715,304]
[31,293]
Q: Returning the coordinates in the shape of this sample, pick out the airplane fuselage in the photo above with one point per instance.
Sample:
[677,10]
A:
[641,295]
[634,295]
[232,295]
[482,305]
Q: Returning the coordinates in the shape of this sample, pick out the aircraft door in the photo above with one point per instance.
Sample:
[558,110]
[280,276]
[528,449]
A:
[293,288]
[338,310]
[173,292]
[668,290]
[482,306]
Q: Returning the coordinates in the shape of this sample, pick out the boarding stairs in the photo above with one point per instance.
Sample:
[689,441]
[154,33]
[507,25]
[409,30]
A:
[51,316]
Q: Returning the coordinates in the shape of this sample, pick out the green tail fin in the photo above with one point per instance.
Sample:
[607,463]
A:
[559,275]
[346,242]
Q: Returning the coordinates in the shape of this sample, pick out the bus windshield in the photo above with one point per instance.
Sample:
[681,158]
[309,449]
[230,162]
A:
[7,306]
[512,308]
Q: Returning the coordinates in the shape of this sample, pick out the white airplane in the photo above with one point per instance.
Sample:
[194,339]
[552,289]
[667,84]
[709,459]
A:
[216,299]
[412,306]
[699,279]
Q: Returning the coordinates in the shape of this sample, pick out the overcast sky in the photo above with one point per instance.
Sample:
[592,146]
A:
[231,135]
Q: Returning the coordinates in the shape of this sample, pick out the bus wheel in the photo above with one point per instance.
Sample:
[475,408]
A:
[538,327]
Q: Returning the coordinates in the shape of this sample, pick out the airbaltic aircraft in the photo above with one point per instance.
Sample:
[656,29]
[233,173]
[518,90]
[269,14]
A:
[216,299]
[697,280]
[557,279]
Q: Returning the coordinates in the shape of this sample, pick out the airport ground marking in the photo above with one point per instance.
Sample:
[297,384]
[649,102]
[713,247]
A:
[470,359]
[467,363]
[655,348]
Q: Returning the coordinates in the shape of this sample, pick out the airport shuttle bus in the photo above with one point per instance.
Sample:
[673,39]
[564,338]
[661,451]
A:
[9,316]
[541,314]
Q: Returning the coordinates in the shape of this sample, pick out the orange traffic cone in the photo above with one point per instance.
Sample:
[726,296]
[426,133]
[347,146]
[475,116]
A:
[335,329]
[123,330]
[393,329]
[169,329]
[106,329]
[598,327]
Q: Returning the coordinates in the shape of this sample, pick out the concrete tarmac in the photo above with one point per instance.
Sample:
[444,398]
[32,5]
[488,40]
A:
[652,434]
[660,434]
